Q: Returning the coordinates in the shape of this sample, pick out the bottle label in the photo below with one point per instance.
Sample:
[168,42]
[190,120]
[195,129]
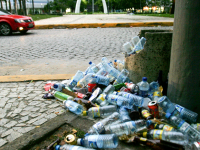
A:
[101,97]
[95,112]
[167,128]
[92,142]
[127,95]
[157,134]
[61,96]
[113,99]
[143,139]
[143,93]
[99,127]
[145,113]
[157,93]
[179,108]
[131,127]
[184,126]
[73,83]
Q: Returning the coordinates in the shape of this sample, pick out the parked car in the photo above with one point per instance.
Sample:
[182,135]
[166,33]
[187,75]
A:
[14,23]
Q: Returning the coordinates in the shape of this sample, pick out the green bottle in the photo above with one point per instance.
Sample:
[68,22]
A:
[61,96]
[119,86]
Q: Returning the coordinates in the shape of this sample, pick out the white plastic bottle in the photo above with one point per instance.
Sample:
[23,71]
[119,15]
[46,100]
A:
[143,87]
[73,106]
[99,127]
[99,141]
[95,112]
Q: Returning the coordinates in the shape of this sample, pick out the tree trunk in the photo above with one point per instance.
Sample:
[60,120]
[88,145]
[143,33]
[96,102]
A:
[33,7]
[16,7]
[184,74]
[173,7]
[20,7]
[24,7]
[6,5]
[1,4]
[9,5]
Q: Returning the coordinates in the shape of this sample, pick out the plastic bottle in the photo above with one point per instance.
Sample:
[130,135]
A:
[120,64]
[95,94]
[102,72]
[153,86]
[171,136]
[61,96]
[111,70]
[128,48]
[140,45]
[99,127]
[78,76]
[95,112]
[187,114]
[122,76]
[58,86]
[135,40]
[89,69]
[146,114]
[120,101]
[131,87]
[127,128]
[73,106]
[137,100]
[109,89]
[71,147]
[84,81]
[101,100]
[124,114]
[167,105]
[97,67]
[99,141]
[164,127]
[143,87]
[196,126]
[184,127]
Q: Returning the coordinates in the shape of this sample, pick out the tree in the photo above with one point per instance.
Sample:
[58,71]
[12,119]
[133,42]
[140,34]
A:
[33,7]
[1,4]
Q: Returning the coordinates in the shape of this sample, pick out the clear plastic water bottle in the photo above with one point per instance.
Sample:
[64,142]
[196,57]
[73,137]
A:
[120,64]
[171,136]
[122,77]
[102,72]
[140,45]
[120,101]
[143,87]
[167,105]
[109,89]
[135,40]
[184,127]
[58,86]
[99,127]
[102,80]
[196,126]
[78,76]
[97,67]
[84,81]
[110,69]
[71,147]
[128,48]
[113,123]
[99,141]
[89,69]
[127,128]
[124,114]
[137,100]
[73,106]
[187,114]
[101,100]
[95,94]
[95,112]
[153,86]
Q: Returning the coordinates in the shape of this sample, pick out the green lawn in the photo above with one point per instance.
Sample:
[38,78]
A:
[158,15]
[39,17]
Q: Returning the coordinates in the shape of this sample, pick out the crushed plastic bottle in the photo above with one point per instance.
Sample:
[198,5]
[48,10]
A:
[78,76]
[58,86]
[124,114]
[73,107]
[119,64]
[99,141]
[89,69]
[196,126]
[140,45]
[71,147]
[122,77]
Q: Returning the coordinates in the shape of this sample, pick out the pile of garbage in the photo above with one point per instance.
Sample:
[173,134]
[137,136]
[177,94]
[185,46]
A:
[133,113]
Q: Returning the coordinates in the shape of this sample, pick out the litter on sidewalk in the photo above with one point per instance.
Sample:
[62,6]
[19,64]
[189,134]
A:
[130,112]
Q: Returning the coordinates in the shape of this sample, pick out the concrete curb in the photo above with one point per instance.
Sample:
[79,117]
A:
[21,78]
[38,134]
[103,25]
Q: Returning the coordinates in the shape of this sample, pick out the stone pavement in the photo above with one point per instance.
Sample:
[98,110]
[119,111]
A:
[23,109]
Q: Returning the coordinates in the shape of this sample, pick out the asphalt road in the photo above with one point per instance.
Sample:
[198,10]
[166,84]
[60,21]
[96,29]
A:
[62,51]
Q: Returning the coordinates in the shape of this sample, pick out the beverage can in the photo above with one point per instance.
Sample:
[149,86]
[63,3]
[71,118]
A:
[153,106]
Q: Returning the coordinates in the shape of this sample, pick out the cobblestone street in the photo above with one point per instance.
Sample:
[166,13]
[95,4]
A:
[62,51]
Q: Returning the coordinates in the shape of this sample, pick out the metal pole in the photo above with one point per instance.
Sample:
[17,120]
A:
[184,73]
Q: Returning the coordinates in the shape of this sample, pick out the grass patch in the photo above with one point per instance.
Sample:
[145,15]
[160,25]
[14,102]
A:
[158,15]
[40,17]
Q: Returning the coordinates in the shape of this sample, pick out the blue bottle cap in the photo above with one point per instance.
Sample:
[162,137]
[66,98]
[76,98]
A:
[57,147]
[168,115]
[55,85]
[86,134]
[149,122]
[115,60]
[90,63]
[144,79]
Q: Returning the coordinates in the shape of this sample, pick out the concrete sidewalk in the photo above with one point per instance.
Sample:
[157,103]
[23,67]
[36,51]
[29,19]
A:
[103,20]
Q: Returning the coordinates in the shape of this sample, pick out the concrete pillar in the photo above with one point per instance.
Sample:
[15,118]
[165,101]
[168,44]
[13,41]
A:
[184,74]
